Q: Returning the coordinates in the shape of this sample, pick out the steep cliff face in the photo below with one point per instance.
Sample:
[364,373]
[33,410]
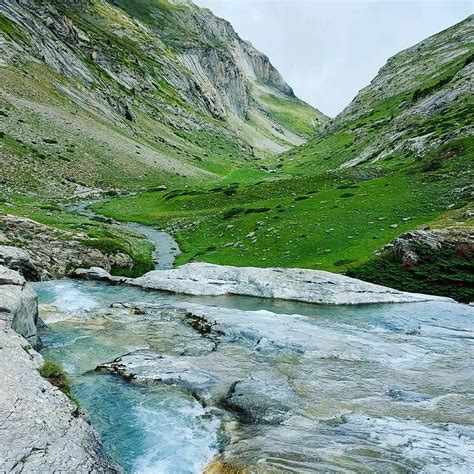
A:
[123,94]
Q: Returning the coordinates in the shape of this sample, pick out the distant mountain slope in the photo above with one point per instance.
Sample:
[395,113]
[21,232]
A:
[400,158]
[422,99]
[119,94]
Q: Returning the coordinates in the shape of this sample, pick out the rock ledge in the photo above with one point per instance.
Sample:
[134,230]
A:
[311,286]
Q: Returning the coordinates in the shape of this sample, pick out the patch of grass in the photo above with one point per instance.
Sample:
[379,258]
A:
[11,29]
[294,114]
[325,231]
[54,373]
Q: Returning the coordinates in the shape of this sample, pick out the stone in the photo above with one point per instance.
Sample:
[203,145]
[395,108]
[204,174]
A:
[10,277]
[20,260]
[146,367]
[404,248]
[97,274]
[42,430]
[312,286]
[18,305]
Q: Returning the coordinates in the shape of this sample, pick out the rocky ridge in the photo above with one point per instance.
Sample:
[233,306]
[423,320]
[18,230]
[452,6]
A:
[158,89]
[419,102]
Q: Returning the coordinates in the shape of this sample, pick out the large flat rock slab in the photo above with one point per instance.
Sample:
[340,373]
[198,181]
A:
[311,286]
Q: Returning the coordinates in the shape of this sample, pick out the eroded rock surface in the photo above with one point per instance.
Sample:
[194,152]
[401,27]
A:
[408,246]
[41,430]
[18,305]
[291,388]
[52,252]
[310,286]
[20,260]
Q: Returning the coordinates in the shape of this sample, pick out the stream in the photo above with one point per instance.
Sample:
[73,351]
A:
[274,386]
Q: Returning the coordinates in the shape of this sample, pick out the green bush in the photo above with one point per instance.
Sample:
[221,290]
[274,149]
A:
[445,272]
[55,374]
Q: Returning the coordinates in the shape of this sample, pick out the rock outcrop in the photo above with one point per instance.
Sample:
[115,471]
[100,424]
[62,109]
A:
[41,429]
[407,247]
[50,252]
[19,260]
[155,105]
[292,389]
[18,306]
[436,261]
[311,286]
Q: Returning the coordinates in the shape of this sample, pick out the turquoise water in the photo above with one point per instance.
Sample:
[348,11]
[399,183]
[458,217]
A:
[146,429]
[385,388]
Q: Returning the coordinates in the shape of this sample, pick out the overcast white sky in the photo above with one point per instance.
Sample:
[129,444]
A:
[328,50]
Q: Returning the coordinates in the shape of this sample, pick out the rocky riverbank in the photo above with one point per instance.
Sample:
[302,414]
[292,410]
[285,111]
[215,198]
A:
[310,286]
[292,389]
[42,430]
[55,252]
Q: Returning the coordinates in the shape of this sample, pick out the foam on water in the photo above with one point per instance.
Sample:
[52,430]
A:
[67,296]
[384,388]
[185,429]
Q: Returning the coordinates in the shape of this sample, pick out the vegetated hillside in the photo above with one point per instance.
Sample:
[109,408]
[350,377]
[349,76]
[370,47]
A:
[398,157]
[130,95]
[419,101]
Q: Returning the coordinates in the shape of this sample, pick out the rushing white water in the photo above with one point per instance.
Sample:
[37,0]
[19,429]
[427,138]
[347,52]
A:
[385,388]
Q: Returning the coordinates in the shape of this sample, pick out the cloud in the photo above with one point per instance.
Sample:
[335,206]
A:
[328,50]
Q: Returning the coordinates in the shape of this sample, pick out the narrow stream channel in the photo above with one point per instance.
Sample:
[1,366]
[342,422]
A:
[166,248]
[288,387]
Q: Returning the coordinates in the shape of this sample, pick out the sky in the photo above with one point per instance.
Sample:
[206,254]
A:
[329,50]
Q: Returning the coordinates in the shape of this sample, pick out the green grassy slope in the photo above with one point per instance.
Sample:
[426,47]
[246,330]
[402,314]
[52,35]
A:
[319,221]
[98,94]
[388,164]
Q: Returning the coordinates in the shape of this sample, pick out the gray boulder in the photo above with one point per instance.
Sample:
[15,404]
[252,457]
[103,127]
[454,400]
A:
[18,305]
[20,260]
[312,286]
[97,274]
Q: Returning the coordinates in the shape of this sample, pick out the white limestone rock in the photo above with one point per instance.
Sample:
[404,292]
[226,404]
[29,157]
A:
[310,286]
[20,260]
[41,429]
[18,305]
[97,274]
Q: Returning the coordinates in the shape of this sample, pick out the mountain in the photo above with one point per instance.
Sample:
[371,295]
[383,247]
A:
[129,95]
[383,192]
[418,102]
[164,102]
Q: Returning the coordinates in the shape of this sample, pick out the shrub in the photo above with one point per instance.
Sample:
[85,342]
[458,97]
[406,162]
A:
[54,373]
[232,212]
